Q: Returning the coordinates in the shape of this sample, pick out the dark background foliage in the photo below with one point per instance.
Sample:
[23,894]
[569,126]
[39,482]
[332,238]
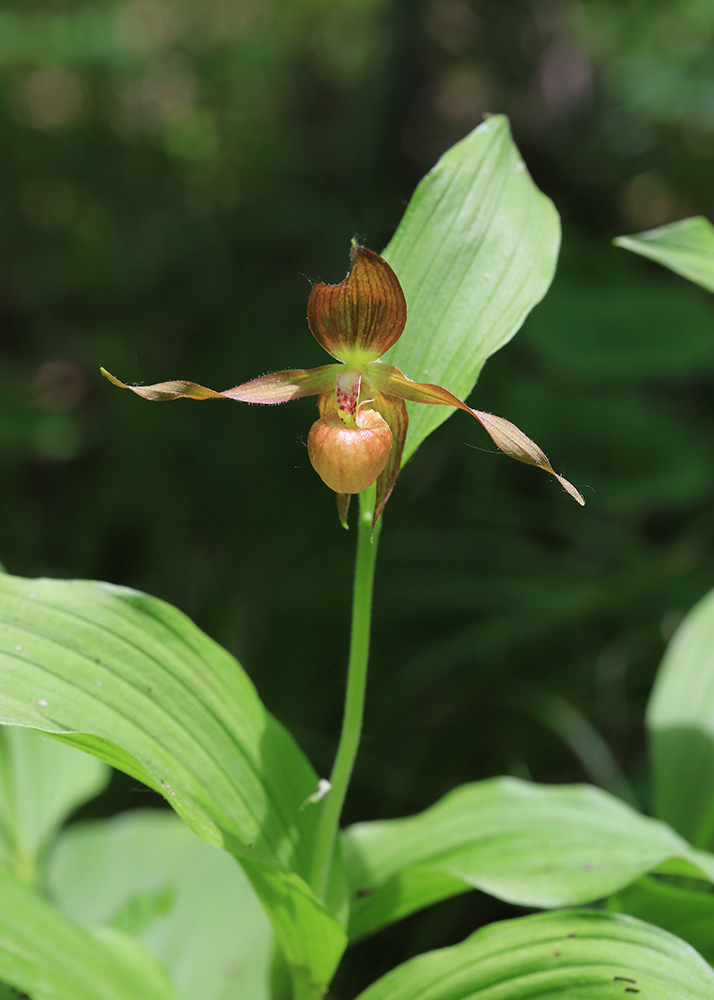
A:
[174,175]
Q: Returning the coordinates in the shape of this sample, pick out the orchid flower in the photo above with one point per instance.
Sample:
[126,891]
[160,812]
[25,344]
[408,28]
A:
[359,436]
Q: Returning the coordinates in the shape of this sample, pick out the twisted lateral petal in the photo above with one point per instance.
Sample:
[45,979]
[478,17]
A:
[516,444]
[278,387]
[363,316]
[505,435]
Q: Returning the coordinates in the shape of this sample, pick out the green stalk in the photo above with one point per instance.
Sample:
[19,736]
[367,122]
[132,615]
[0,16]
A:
[328,824]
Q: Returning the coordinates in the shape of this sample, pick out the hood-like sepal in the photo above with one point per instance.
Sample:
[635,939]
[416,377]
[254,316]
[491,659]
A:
[362,317]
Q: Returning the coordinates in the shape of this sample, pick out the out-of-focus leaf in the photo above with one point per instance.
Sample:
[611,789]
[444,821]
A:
[528,844]
[619,333]
[47,956]
[686,247]
[189,904]
[131,680]
[570,725]
[583,955]
[682,911]
[475,251]
[41,783]
[680,719]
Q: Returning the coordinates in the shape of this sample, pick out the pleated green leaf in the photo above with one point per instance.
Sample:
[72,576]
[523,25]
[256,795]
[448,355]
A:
[533,845]
[686,247]
[571,955]
[131,680]
[189,904]
[41,783]
[475,251]
[44,954]
[679,909]
[680,720]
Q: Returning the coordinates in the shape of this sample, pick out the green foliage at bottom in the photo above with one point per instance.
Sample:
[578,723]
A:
[576,954]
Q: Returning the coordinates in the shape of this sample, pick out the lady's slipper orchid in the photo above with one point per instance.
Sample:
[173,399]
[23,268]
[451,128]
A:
[359,437]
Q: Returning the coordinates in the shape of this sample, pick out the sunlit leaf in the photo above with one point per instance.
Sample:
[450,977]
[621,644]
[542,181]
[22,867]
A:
[475,251]
[533,845]
[41,783]
[47,956]
[680,719]
[686,247]
[311,939]
[131,680]
[583,955]
[189,904]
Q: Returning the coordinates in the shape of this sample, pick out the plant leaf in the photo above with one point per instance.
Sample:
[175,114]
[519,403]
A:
[474,252]
[528,844]
[44,954]
[686,247]
[189,904]
[685,912]
[583,955]
[41,783]
[680,720]
[131,680]
[311,939]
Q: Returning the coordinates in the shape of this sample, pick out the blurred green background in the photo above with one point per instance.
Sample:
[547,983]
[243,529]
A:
[173,175]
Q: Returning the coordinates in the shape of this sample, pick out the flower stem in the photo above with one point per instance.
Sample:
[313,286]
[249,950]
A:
[328,824]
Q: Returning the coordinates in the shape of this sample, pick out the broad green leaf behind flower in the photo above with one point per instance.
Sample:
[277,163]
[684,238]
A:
[475,251]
